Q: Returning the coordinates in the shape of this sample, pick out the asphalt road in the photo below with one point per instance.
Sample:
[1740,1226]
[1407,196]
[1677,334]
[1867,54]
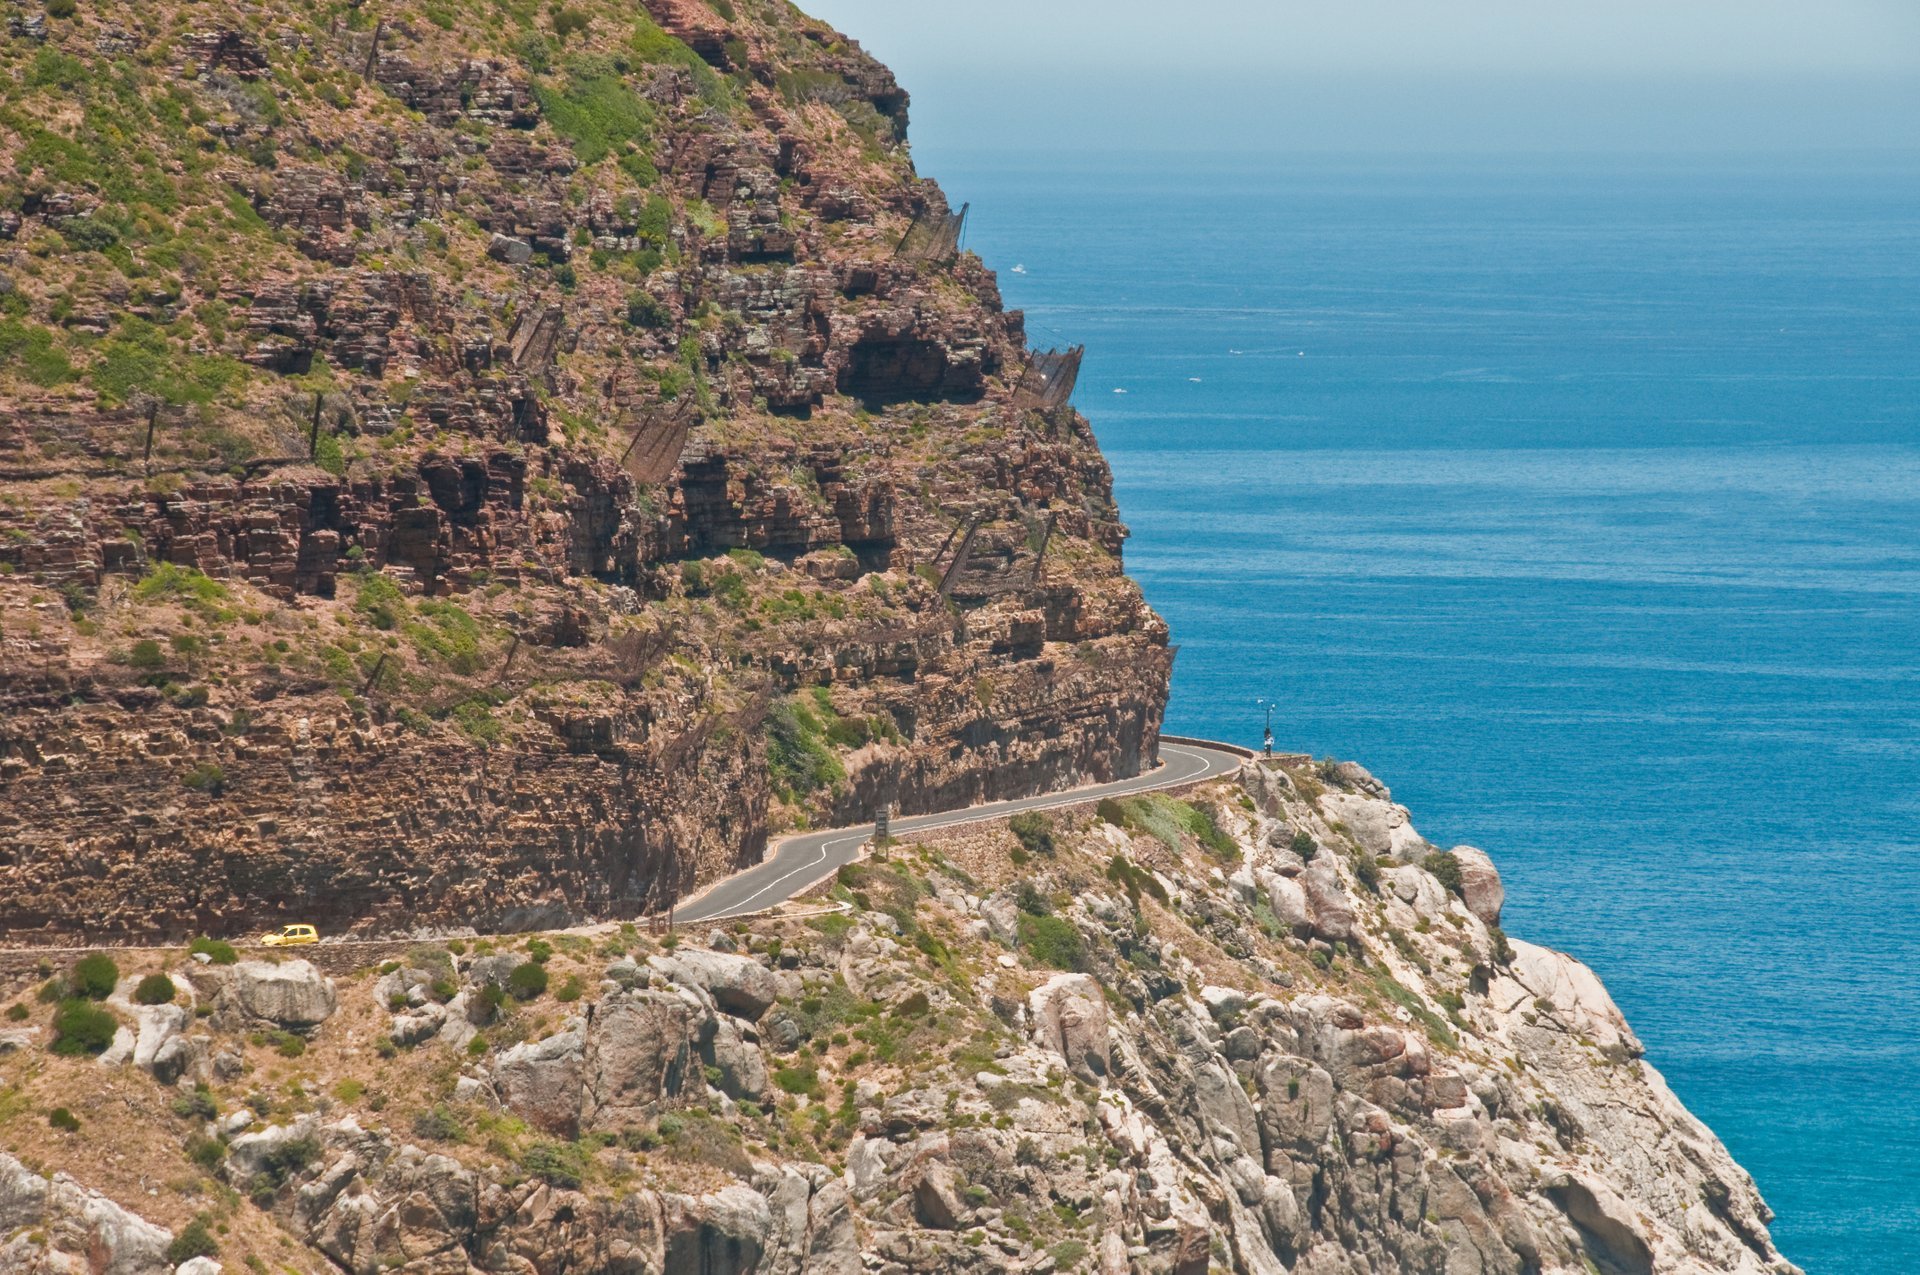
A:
[804,860]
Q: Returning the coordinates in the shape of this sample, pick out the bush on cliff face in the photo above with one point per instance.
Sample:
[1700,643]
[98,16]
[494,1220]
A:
[194,1240]
[217,951]
[95,976]
[206,777]
[798,759]
[81,1028]
[527,982]
[555,1163]
[1034,831]
[155,989]
[1445,869]
[1054,942]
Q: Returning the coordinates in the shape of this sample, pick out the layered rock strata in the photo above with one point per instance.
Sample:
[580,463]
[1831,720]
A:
[489,472]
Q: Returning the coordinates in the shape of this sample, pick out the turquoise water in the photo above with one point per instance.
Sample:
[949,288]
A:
[1583,505]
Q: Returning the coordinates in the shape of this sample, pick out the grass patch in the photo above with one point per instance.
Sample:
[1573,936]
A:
[1170,821]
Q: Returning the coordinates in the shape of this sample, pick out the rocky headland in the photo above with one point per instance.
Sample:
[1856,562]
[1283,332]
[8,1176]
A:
[1260,1027]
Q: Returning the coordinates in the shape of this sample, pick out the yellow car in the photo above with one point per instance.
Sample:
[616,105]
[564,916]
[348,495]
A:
[291,936]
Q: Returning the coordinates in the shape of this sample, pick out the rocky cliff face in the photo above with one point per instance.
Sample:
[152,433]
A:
[487,464]
[1263,1028]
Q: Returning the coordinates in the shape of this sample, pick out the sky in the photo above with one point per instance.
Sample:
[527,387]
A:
[1401,75]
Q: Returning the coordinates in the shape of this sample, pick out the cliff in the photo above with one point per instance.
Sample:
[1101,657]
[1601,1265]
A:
[1260,1027]
[489,464]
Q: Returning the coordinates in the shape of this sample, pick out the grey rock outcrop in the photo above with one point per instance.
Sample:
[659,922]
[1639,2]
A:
[291,995]
[1069,1018]
[56,1225]
[737,984]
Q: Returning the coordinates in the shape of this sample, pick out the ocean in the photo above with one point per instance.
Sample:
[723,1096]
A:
[1580,501]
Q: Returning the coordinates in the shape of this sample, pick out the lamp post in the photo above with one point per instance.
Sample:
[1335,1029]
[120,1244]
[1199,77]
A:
[1268,742]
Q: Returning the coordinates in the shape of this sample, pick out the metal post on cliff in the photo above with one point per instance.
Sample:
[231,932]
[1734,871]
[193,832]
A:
[1268,743]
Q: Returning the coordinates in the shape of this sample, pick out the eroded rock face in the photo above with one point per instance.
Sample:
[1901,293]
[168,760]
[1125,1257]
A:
[1070,1019]
[57,1225]
[548,424]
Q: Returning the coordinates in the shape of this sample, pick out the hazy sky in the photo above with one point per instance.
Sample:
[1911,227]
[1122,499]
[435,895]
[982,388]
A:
[1403,74]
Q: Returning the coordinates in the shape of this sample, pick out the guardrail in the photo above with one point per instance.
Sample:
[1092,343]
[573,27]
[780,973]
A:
[1215,744]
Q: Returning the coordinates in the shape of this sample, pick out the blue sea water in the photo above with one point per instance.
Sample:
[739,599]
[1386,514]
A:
[1581,502]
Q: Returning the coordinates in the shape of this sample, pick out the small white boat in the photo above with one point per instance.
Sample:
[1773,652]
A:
[1019,269]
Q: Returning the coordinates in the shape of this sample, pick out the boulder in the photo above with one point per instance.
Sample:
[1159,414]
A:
[1069,1017]
[1380,827]
[1002,917]
[1352,775]
[720,1234]
[1288,899]
[198,1266]
[543,1082]
[155,1027]
[418,1026]
[1329,908]
[643,1054]
[936,1198]
[1577,1002]
[1480,886]
[292,995]
[743,1069]
[510,251]
[738,984]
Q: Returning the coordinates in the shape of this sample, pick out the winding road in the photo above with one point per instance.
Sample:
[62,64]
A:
[802,861]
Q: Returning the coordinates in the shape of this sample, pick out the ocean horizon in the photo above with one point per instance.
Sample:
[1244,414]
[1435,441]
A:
[1580,500]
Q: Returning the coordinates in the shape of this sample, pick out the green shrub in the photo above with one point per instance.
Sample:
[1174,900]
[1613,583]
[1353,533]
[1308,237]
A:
[597,112]
[146,654]
[1030,901]
[192,589]
[80,1027]
[1034,831]
[527,982]
[288,1045]
[1135,880]
[570,990]
[539,951]
[801,1079]
[1054,942]
[439,1125]
[1502,950]
[1366,871]
[561,1164]
[798,759]
[1445,869]
[17,1013]
[279,1166]
[208,1153]
[155,989]
[94,976]
[64,1120]
[644,310]
[1304,845]
[31,349]
[198,1105]
[206,777]
[194,1240]
[218,951]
